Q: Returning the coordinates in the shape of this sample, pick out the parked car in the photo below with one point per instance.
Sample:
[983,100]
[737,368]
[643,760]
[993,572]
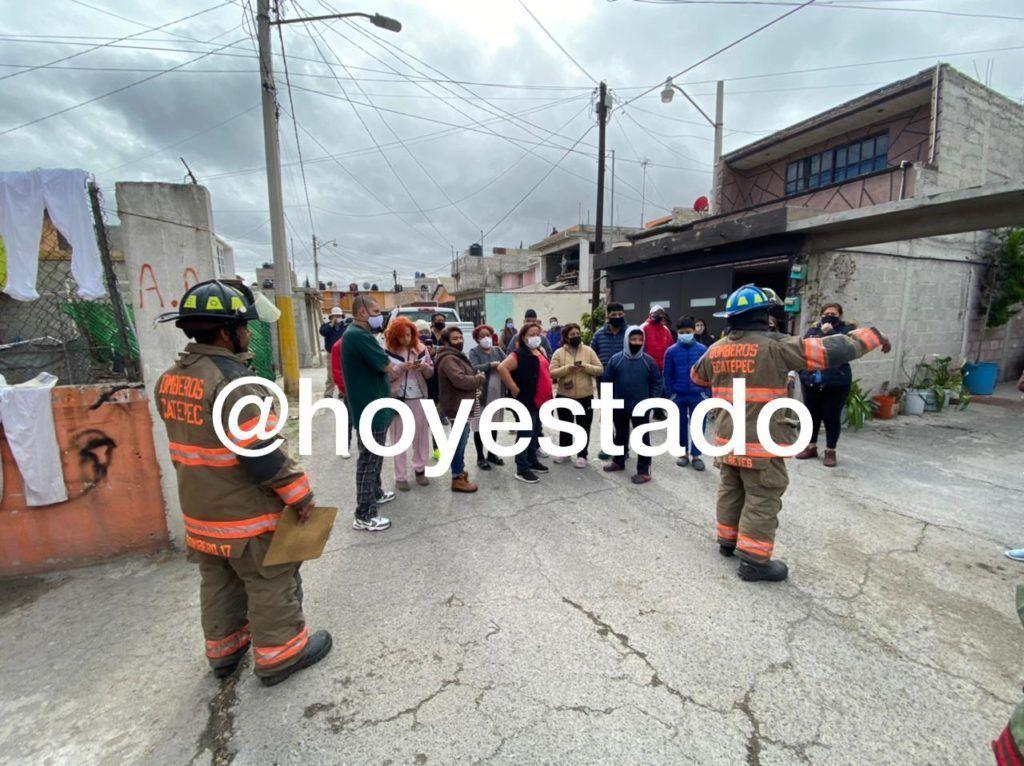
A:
[425,312]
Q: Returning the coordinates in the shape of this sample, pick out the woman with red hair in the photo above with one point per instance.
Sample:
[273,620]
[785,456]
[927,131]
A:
[411,366]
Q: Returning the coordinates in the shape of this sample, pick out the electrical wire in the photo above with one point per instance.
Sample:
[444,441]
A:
[119,39]
[837,6]
[94,99]
[724,48]
[560,47]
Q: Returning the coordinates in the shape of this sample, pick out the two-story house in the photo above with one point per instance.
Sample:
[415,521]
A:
[887,202]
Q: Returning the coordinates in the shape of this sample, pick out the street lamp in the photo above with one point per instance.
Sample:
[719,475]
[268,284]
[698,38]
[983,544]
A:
[384,22]
[669,92]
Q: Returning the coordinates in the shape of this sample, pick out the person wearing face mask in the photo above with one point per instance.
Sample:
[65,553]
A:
[825,391]
[531,317]
[459,381]
[527,376]
[411,368]
[684,392]
[365,366]
[607,342]
[634,377]
[575,367]
[658,338]
[485,357]
[554,335]
[700,332]
[508,334]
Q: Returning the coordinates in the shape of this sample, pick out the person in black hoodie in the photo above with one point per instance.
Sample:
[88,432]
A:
[825,391]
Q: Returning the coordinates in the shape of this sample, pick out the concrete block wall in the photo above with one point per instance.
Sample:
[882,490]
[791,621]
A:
[919,300]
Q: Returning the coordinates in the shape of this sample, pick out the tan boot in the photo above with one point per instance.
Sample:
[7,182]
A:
[461,483]
[830,458]
[811,450]
[422,480]
[402,485]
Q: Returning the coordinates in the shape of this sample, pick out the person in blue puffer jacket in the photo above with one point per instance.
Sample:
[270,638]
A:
[686,394]
[634,376]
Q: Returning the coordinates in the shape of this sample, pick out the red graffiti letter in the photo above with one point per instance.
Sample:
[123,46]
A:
[153,286]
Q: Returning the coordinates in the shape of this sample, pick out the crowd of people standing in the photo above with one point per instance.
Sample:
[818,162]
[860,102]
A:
[426,366]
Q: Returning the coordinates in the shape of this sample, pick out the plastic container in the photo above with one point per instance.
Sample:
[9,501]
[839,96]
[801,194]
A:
[886,407]
[980,377]
[914,402]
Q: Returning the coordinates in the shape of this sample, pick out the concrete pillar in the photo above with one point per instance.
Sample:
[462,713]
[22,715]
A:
[166,235]
[586,265]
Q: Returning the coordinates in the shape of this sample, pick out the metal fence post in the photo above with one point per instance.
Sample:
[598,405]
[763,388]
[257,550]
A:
[112,289]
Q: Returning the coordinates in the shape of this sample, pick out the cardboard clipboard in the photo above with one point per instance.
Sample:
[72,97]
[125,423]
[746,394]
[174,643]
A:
[294,542]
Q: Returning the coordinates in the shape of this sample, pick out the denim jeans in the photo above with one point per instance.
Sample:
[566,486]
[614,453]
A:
[685,414]
[459,459]
[528,457]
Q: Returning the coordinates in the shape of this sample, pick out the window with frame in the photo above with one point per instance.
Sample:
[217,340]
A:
[840,163]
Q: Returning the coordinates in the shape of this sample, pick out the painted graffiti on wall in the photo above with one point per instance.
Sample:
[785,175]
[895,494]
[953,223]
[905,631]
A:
[148,283]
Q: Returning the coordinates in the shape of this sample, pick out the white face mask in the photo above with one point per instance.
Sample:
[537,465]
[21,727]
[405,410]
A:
[533,341]
[486,342]
[376,322]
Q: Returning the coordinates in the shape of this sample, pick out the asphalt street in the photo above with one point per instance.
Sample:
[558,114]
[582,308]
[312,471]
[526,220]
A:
[580,620]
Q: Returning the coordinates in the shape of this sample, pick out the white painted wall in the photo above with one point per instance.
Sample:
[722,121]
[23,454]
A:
[166,236]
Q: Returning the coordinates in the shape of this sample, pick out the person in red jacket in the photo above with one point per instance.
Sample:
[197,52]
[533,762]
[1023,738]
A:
[658,338]
[339,381]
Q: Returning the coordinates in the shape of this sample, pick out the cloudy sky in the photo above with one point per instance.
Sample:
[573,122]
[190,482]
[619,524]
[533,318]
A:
[472,119]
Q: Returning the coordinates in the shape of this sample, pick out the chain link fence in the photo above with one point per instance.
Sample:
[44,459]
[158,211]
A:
[77,340]
[262,349]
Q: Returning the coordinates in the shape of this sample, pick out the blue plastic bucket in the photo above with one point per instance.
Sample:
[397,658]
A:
[980,377]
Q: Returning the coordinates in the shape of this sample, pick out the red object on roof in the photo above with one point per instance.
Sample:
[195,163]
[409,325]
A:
[701,205]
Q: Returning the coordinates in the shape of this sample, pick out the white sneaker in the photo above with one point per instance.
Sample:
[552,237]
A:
[542,453]
[581,462]
[347,457]
[386,497]
[376,524]
[561,459]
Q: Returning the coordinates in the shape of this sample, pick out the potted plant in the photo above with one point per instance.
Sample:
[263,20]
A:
[888,401]
[860,408]
[948,383]
[920,396]
[1002,292]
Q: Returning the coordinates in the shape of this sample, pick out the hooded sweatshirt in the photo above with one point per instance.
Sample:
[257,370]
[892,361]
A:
[657,340]
[634,377]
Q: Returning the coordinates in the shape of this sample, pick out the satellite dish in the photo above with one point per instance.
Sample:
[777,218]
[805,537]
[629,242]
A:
[366,285]
[372,287]
[701,205]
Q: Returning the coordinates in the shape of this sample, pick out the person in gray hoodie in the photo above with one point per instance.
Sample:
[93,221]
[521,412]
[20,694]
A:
[634,376]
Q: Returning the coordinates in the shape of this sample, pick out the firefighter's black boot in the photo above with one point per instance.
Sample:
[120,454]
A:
[225,666]
[726,550]
[770,571]
[317,647]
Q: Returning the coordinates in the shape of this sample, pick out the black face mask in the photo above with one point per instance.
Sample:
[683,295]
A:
[834,321]
[635,348]
[577,340]
[457,346]
[617,321]
[439,325]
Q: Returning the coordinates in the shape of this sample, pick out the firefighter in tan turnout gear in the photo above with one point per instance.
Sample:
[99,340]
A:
[231,503]
[751,485]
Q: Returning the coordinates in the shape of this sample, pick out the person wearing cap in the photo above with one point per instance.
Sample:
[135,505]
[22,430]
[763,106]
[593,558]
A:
[332,330]
[753,479]
[658,337]
[232,502]
[634,377]
[530,317]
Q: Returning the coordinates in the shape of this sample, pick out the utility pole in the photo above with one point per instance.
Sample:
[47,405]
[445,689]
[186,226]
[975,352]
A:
[602,121]
[715,180]
[282,272]
[611,215]
[271,145]
[643,190]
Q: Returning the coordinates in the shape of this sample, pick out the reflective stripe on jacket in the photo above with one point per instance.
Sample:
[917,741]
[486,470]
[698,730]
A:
[763,360]
[225,498]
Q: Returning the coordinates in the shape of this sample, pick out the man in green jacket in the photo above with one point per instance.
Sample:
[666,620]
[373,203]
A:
[365,367]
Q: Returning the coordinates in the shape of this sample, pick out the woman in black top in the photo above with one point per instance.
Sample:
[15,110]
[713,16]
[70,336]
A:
[825,391]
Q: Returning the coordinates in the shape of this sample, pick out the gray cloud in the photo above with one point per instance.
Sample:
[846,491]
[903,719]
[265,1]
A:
[627,43]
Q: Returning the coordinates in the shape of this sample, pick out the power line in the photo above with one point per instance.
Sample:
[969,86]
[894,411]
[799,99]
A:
[836,6]
[551,37]
[723,49]
[539,182]
[119,39]
[94,99]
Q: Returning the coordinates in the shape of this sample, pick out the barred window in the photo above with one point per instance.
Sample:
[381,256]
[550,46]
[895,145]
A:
[838,164]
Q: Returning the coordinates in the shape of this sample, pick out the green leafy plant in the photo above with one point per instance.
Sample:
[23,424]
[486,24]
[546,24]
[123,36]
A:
[860,407]
[586,329]
[1002,287]
[942,376]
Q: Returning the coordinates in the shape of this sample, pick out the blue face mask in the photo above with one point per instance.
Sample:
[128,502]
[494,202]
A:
[685,337]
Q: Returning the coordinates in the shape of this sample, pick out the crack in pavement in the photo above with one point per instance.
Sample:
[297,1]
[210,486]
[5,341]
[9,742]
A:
[343,724]
[220,723]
